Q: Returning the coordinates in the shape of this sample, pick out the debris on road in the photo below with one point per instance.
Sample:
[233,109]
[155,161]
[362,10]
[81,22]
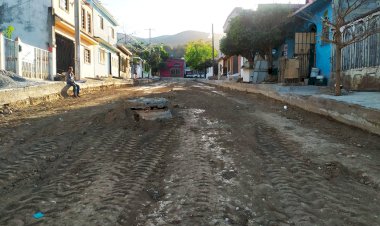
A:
[38,215]
[150,108]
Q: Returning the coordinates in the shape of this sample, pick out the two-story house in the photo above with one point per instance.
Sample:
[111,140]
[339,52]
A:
[107,62]
[50,26]
[64,37]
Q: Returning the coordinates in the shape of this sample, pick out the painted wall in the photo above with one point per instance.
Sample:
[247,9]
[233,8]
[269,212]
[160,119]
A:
[323,50]
[30,20]
[173,63]
[106,32]
[88,69]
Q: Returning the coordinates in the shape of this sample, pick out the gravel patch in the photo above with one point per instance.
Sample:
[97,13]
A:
[9,80]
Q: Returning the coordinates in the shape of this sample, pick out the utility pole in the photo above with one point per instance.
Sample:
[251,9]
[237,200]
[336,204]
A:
[150,49]
[150,35]
[77,38]
[213,58]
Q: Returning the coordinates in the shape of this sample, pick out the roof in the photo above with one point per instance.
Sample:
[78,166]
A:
[106,44]
[98,5]
[311,6]
[123,49]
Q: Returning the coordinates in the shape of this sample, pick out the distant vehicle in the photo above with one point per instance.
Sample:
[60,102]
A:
[189,74]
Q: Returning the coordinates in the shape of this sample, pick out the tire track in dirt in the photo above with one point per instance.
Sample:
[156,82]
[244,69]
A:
[191,194]
[74,172]
[300,194]
[128,193]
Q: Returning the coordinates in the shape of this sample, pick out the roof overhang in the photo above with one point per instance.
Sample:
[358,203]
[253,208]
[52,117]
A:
[106,44]
[124,50]
[310,7]
[68,29]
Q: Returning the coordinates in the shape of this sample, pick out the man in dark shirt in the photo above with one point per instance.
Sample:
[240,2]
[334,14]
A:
[70,80]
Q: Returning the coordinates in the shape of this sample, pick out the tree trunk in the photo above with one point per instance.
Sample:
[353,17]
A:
[338,65]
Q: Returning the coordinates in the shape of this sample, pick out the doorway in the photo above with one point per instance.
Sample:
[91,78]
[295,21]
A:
[65,53]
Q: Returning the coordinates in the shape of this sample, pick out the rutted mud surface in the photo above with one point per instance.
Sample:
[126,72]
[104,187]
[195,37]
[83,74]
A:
[225,158]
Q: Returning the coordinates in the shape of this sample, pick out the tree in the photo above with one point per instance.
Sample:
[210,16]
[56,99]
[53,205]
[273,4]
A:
[343,33]
[254,32]
[155,56]
[198,55]
[9,31]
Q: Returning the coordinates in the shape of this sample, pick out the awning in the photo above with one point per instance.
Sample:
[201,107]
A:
[69,30]
[106,44]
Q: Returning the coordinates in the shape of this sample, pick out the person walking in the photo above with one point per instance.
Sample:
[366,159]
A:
[70,80]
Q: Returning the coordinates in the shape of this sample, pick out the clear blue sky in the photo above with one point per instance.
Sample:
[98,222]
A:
[173,16]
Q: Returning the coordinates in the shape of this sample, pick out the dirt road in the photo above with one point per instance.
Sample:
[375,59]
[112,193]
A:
[225,158]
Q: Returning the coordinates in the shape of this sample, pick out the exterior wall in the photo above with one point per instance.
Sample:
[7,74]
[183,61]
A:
[66,15]
[101,68]
[361,60]
[323,50]
[108,25]
[114,64]
[173,63]
[30,20]
[88,69]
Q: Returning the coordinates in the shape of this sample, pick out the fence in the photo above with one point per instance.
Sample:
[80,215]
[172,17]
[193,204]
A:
[23,59]
[10,55]
[365,53]
[35,62]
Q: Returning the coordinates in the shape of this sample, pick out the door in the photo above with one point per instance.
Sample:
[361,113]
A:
[65,53]
[109,64]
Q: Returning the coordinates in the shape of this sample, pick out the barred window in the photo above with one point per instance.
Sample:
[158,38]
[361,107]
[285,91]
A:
[83,19]
[89,23]
[87,56]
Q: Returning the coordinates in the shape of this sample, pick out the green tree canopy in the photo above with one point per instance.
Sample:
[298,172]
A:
[256,31]
[198,54]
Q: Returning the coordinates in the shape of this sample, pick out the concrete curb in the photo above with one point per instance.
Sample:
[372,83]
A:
[351,114]
[53,90]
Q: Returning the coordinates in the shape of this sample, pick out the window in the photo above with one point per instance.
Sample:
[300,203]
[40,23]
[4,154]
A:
[83,19]
[325,31]
[175,72]
[101,23]
[89,23]
[112,33]
[87,56]
[64,4]
[102,56]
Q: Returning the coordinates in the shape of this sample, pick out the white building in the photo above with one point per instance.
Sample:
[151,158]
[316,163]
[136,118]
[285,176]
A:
[50,26]
[107,62]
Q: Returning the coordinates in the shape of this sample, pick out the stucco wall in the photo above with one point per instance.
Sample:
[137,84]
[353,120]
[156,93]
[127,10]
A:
[365,79]
[30,20]
[105,33]
[323,50]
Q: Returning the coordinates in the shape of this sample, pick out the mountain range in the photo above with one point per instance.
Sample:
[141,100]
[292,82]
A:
[181,38]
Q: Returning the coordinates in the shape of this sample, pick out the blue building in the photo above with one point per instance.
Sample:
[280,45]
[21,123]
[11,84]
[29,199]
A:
[305,38]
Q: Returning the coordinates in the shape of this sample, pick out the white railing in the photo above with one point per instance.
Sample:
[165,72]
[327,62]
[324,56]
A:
[35,62]
[23,59]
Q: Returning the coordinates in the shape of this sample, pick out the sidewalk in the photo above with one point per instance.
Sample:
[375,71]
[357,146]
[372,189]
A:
[358,109]
[49,90]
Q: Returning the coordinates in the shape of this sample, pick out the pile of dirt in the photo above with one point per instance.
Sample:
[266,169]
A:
[9,79]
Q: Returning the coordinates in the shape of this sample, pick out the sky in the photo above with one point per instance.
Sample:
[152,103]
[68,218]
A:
[167,17]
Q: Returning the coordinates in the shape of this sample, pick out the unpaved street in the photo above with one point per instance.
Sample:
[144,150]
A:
[225,158]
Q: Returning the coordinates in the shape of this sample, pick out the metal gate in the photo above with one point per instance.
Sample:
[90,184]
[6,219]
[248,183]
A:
[305,52]
[35,62]
[10,55]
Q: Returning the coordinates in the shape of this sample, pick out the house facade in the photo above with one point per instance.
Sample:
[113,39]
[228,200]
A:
[174,68]
[232,64]
[47,31]
[308,45]
[107,62]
